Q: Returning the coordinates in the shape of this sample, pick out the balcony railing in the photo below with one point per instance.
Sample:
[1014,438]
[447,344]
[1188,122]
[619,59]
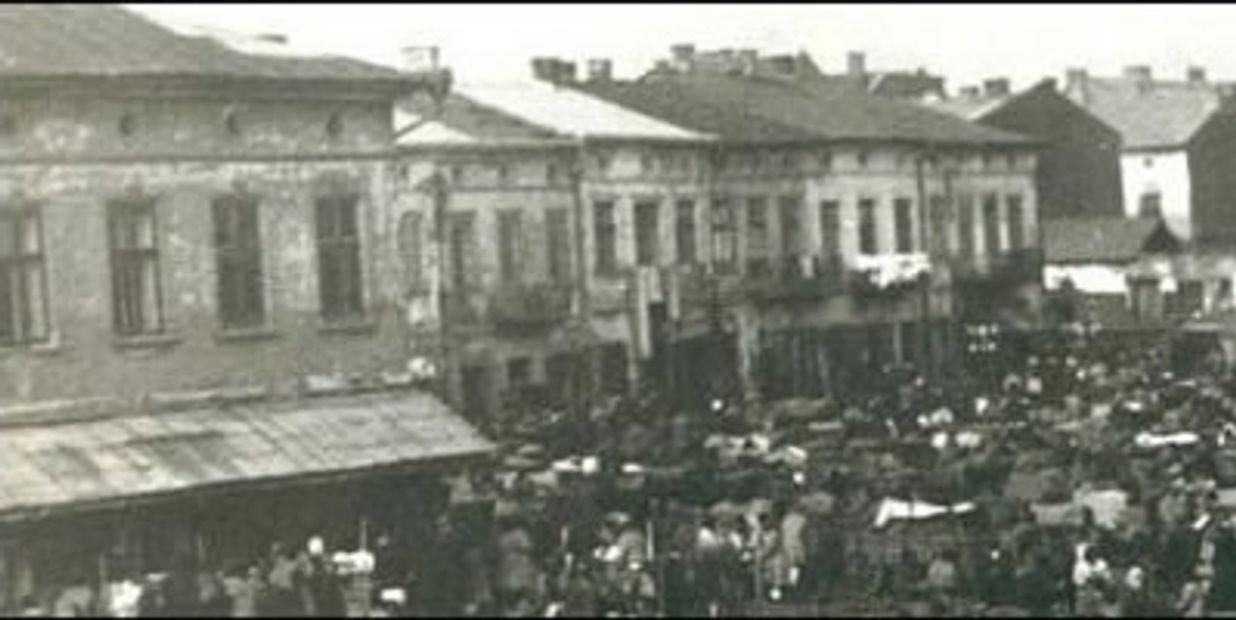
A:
[801,278]
[529,305]
[1011,267]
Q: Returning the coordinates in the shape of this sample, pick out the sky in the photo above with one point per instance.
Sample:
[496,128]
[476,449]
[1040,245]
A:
[965,43]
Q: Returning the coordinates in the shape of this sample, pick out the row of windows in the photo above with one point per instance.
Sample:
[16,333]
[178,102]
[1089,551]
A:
[790,162]
[134,261]
[512,246]
[725,236]
[461,174]
[128,124]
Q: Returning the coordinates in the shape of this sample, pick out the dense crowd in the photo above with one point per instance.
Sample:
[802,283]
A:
[1084,481]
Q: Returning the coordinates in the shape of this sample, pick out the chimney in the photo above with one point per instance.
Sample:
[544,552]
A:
[544,68]
[786,66]
[1138,73]
[856,64]
[1075,78]
[566,72]
[969,92]
[1196,75]
[996,87]
[600,70]
[1051,84]
[747,59]
[418,58]
[683,57]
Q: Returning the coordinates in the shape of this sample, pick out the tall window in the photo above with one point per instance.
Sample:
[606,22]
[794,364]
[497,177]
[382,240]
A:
[991,224]
[1150,204]
[613,368]
[965,225]
[647,233]
[558,248]
[606,237]
[939,223]
[757,234]
[238,250]
[724,235]
[1017,223]
[339,262]
[462,249]
[903,219]
[867,226]
[410,249]
[136,300]
[23,278]
[791,226]
[684,231]
[510,244]
[830,227]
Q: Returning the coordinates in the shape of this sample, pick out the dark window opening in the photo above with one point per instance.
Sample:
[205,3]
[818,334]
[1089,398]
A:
[867,227]
[606,231]
[510,244]
[724,236]
[684,231]
[23,277]
[1017,223]
[238,252]
[339,260]
[559,244]
[991,224]
[903,219]
[136,295]
[647,233]
[462,250]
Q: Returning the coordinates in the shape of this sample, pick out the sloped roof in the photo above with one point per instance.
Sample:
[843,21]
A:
[85,463]
[1107,239]
[460,120]
[1155,115]
[971,108]
[566,112]
[744,108]
[89,40]
[904,84]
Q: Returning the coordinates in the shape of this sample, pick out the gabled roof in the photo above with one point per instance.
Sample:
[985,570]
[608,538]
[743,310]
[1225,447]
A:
[971,108]
[906,84]
[1106,239]
[91,41]
[459,120]
[567,113]
[746,108]
[1158,114]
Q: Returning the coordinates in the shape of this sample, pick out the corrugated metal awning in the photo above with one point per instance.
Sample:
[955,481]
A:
[84,464]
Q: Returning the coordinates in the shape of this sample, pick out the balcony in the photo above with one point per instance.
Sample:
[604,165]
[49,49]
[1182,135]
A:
[530,305]
[800,278]
[1015,267]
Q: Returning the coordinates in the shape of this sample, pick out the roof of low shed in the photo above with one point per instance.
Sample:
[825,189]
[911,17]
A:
[1103,239]
[85,463]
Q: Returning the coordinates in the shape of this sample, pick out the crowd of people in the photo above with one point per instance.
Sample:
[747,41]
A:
[1085,480]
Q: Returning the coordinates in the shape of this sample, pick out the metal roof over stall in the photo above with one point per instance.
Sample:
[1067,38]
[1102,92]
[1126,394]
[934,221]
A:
[95,463]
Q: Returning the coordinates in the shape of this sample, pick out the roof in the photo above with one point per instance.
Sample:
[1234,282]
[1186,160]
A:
[905,84]
[1105,239]
[745,108]
[1160,114]
[971,108]
[99,40]
[460,121]
[566,112]
[91,463]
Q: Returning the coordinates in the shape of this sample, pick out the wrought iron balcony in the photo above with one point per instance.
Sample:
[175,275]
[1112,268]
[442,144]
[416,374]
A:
[800,278]
[530,305]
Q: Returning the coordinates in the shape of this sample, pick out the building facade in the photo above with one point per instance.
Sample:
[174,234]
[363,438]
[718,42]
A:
[200,273]
[1079,165]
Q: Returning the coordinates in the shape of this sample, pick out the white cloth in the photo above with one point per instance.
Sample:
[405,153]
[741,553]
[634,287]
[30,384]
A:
[123,597]
[895,509]
[1152,440]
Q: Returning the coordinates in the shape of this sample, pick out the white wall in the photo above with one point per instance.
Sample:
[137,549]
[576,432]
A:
[1168,173]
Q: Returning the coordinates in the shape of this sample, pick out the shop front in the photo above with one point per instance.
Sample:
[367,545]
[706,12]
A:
[88,506]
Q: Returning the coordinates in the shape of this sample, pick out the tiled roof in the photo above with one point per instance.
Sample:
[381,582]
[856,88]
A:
[745,108]
[83,463]
[905,84]
[460,120]
[1103,239]
[88,40]
[1159,114]
[969,108]
[566,112]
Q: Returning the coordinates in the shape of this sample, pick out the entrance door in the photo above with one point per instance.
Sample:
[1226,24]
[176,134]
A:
[475,393]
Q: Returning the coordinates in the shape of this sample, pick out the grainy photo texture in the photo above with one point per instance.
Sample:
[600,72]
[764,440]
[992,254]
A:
[616,311]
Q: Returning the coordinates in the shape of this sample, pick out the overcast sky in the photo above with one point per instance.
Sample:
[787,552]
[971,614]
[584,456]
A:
[965,43]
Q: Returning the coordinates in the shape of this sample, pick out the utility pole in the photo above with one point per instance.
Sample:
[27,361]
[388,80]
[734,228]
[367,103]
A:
[440,194]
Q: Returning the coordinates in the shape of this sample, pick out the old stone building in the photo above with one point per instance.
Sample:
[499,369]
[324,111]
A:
[199,273]
[816,193]
[538,292]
